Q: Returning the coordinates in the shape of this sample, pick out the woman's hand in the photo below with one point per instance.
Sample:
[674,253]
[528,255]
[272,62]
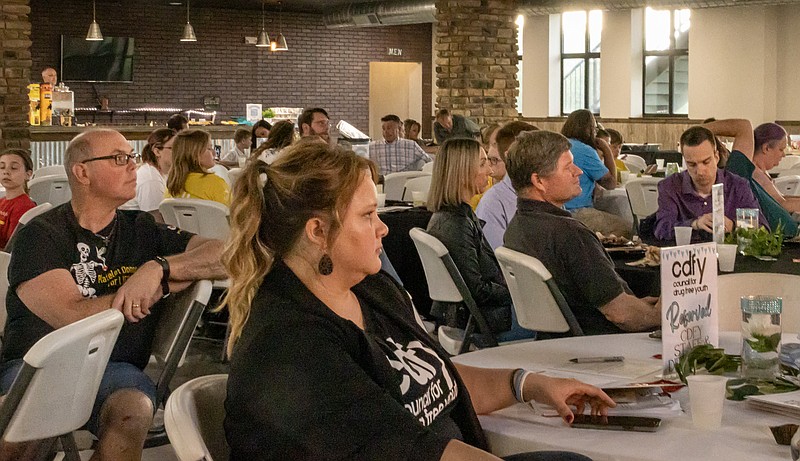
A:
[562,393]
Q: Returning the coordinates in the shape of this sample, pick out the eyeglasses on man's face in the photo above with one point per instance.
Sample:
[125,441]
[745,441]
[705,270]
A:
[494,160]
[119,159]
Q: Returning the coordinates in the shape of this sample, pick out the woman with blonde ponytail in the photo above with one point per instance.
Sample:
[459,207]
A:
[327,358]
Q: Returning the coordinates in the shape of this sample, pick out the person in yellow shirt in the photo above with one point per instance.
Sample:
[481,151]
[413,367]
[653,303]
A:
[614,139]
[488,139]
[192,156]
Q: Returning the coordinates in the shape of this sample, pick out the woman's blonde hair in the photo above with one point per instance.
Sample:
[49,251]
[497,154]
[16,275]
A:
[453,171]
[270,207]
[186,151]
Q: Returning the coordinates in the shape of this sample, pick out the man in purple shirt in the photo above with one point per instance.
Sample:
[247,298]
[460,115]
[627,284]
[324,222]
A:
[684,199]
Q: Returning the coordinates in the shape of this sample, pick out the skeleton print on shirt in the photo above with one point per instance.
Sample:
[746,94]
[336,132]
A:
[85,271]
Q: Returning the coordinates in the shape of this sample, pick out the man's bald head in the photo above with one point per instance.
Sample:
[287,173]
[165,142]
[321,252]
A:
[49,75]
[82,146]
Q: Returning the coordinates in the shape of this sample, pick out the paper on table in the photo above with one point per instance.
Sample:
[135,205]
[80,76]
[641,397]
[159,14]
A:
[630,369]
[787,403]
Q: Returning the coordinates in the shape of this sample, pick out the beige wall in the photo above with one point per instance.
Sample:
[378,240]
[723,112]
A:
[788,63]
[394,88]
[535,66]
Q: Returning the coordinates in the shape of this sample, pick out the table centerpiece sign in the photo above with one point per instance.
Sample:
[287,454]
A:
[689,315]
[254,113]
[718,213]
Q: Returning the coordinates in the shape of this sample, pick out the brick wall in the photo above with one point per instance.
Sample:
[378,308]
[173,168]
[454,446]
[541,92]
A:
[15,65]
[476,64]
[323,67]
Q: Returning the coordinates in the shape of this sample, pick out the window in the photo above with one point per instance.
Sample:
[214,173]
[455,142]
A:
[580,60]
[666,62]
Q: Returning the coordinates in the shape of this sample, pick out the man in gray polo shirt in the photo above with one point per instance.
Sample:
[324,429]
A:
[540,166]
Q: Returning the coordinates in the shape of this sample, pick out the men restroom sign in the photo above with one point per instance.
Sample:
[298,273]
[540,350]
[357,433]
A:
[395,52]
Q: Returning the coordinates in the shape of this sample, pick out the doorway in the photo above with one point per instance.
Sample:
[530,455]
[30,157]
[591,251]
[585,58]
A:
[394,88]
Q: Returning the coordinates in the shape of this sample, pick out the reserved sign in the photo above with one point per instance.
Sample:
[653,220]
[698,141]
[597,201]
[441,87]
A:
[688,300]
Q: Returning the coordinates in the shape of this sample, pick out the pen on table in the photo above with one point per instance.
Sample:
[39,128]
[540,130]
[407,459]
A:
[615,358]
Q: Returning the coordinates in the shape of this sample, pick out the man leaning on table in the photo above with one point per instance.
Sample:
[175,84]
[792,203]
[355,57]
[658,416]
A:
[86,256]
[540,166]
[684,199]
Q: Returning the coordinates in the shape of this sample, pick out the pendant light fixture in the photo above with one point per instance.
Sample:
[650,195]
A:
[188,30]
[263,37]
[280,44]
[94,34]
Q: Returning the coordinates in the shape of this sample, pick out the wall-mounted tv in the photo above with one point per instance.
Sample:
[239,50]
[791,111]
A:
[109,60]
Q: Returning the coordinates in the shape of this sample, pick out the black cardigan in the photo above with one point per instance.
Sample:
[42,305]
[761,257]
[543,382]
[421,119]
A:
[307,384]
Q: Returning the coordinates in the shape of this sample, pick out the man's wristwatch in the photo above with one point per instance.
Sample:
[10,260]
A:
[162,261]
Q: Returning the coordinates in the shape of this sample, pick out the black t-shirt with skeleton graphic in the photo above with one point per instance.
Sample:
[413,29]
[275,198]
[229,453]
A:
[99,263]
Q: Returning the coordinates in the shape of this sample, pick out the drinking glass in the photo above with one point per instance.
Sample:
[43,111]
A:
[761,336]
[746,218]
[672,168]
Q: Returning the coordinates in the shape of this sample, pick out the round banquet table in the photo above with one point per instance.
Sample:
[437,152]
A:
[744,434]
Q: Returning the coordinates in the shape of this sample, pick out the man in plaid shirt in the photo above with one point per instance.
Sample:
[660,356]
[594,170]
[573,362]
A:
[393,153]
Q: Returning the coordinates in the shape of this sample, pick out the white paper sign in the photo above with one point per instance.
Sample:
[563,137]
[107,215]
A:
[718,212]
[689,315]
[253,113]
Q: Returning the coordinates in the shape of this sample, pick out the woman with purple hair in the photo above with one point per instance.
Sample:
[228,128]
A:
[769,148]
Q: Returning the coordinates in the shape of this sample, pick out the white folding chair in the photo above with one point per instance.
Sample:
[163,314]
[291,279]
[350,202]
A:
[634,163]
[53,189]
[537,299]
[5,258]
[786,163]
[25,219]
[427,168]
[445,284]
[55,389]
[394,183]
[643,196]
[194,415]
[418,184]
[732,287]
[788,184]
[222,172]
[49,171]
[202,217]
[234,174]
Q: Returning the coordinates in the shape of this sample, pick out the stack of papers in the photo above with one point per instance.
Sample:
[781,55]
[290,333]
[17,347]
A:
[634,399]
[787,403]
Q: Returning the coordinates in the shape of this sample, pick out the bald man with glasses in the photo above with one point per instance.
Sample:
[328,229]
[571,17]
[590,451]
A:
[86,256]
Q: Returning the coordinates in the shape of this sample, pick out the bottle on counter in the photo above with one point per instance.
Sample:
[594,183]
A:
[34,95]
[46,105]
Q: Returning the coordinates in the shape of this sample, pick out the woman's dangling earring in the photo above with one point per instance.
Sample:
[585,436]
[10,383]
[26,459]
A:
[325,265]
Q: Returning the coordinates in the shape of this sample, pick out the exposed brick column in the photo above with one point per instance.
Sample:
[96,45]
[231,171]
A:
[15,73]
[476,63]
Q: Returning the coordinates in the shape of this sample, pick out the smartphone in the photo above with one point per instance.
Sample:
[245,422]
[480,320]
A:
[617,423]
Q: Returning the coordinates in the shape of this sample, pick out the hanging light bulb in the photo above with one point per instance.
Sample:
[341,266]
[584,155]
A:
[188,30]
[263,37]
[94,34]
[280,43]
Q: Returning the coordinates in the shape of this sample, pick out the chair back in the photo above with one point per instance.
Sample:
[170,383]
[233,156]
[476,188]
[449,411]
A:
[178,321]
[788,184]
[634,163]
[394,183]
[733,286]
[234,174]
[222,172]
[786,163]
[194,416]
[49,171]
[643,196]
[34,212]
[445,283]
[57,385]
[53,189]
[5,258]
[537,299]
[427,168]
[418,184]
[206,218]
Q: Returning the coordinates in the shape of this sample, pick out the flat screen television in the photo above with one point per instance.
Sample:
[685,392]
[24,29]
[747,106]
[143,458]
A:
[109,60]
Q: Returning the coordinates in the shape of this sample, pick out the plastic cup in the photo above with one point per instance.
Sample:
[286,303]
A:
[660,163]
[683,235]
[242,161]
[381,200]
[726,253]
[418,197]
[624,176]
[706,396]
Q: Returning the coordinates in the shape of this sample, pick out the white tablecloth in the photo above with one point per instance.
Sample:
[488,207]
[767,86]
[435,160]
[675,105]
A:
[744,434]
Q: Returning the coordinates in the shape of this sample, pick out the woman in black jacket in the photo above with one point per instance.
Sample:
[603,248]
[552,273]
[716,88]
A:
[462,170]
